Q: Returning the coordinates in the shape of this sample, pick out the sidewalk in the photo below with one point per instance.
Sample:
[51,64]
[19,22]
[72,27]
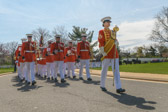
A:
[130,75]
[1,74]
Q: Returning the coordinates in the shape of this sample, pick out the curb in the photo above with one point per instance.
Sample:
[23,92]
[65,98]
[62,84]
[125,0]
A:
[136,78]
[1,74]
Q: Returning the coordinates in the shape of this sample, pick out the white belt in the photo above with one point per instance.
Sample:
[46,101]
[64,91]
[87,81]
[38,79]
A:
[29,51]
[59,50]
[84,50]
[40,58]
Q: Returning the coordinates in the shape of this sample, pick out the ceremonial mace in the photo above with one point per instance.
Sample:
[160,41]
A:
[115,29]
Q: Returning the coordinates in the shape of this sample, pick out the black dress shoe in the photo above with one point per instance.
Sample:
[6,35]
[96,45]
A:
[33,82]
[45,76]
[69,77]
[63,80]
[21,80]
[81,78]
[89,79]
[74,77]
[52,78]
[48,78]
[120,90]
[65,75]
[103,89]
[55,80]
[28,83]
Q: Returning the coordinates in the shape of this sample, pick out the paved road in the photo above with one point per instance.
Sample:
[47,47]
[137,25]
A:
[81,96]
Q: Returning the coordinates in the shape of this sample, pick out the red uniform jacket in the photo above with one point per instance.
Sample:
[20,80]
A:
[104,36]
[18,51]
[58,48]
[28,51]
[49,57]
[16,61]
[65,58]
[71,51]
[83,50]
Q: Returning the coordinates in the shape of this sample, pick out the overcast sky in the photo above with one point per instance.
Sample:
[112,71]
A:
[135,18]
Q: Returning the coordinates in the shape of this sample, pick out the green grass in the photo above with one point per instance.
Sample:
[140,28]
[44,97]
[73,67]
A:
[5,70]
[154,68]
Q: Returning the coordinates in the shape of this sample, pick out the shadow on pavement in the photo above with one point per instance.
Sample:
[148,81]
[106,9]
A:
[40,78]
[16,79]
[73,79]
[62,85]
[91,82]
[27,88]
[49,81]
[130,100]
[23,87]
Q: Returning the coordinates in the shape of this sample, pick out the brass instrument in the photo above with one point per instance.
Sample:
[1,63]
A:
[91,56]
[91,53]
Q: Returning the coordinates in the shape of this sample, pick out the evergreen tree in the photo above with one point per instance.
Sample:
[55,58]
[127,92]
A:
[76,37]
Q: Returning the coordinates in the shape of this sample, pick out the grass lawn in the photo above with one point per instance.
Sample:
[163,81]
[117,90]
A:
[155,68]
[4,70]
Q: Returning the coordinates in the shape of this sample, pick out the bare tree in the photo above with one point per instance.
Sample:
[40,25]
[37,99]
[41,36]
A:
[41,32]
[11,48]
[161,49]
[3,50]
[160,30]
[60,30]
[3,53]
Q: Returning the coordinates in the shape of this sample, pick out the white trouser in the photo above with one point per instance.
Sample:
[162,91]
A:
[82,63]
[22,70]
[38,71]
[25,71]
[18,70]
[70,66]
[35,69]
[64,67]
[50,69]
[42,70]
[30,70]
[59,66]
[105,66]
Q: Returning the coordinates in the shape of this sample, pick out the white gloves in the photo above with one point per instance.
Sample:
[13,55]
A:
[102,51]
[116,42]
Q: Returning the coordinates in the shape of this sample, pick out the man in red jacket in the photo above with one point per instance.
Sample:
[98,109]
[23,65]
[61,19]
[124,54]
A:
[28,54]
[83,52]
[57,48]
[42,63]
[49,60]
[70,53]
[104,35]
[22,67]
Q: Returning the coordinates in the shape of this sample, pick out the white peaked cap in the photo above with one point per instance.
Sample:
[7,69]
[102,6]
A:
[108,18]
[56,36]
[84,35]
[29,35]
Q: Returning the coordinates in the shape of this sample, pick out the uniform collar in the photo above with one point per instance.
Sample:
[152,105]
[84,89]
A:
[106,29]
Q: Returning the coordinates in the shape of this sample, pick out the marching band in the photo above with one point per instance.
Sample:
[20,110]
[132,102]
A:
[57,59]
